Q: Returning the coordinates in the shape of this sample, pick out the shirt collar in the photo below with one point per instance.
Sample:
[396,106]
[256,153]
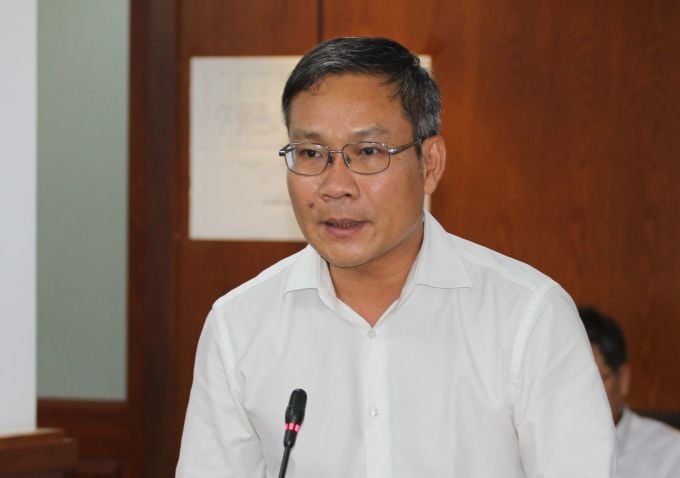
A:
[310,271]
[437,265]
[306,272]
[439,262]
[623,427]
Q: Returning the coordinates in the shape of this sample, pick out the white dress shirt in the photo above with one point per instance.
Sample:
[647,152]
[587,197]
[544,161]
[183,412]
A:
[480,369]
[647,448]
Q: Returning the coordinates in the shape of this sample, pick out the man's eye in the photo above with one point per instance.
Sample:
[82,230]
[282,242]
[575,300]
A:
[309,154]
[369,151]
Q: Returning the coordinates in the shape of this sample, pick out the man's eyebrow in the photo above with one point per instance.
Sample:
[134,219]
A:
[362,133]
[371,131]
[300,133]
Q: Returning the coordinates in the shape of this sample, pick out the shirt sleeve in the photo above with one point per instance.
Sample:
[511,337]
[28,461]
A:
[218,439]
[564,425]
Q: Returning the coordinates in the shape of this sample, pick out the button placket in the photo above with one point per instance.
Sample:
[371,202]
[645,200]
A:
[378,439]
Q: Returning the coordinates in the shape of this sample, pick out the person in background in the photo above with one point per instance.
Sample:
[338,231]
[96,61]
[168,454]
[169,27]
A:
[647,448]
[422,354]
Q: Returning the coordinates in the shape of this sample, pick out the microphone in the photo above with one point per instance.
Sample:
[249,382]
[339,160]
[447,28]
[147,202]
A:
[295,415]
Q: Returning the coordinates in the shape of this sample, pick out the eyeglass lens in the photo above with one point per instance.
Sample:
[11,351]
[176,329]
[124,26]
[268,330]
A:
[362,157]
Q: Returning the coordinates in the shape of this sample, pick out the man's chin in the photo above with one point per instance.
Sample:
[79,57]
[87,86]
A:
[343,261]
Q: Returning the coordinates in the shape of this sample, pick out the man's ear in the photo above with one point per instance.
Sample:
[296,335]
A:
[434,162]
[624,379]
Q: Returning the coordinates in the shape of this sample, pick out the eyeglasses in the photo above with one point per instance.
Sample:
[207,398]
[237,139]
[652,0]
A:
[362,157]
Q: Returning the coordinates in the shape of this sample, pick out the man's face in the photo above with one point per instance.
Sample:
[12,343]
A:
[354,220]
[615,383]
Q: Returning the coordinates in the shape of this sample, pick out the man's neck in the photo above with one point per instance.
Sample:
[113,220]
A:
[618,414]
[369,290]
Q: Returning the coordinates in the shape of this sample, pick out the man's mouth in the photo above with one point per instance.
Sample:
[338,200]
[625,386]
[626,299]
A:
[343,224]
[343,227]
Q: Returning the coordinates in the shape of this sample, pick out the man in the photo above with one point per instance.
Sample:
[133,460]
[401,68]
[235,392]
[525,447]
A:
[646,448]
[423,355]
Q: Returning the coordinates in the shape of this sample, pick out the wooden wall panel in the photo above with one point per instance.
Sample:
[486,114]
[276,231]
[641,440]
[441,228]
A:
[563,129]
[152,170]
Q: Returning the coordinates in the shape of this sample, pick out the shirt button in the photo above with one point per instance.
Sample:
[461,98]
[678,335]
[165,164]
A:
[371,333]
[375,412]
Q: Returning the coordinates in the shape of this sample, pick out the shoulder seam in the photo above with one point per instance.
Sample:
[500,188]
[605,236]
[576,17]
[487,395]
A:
[540,287]
[221,334]
[525,327]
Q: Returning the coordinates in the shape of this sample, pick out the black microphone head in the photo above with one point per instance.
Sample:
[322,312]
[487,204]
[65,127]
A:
[295,411]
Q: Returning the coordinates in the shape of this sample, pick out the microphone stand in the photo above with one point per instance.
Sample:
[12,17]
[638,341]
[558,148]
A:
[284,461]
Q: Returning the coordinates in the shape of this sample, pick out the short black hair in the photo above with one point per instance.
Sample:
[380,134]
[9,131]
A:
[382,57]
[604,332]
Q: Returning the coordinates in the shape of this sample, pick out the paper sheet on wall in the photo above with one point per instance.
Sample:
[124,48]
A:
[237,180]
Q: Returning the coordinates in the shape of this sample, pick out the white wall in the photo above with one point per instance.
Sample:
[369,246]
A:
[18,19]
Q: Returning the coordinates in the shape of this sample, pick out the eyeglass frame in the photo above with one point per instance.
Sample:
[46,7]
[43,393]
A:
[329,154]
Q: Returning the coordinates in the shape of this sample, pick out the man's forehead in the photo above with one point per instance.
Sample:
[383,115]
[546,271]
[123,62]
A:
[331,82]
[350,107]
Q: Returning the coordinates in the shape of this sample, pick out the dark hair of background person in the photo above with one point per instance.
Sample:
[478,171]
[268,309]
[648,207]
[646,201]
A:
[606,334]
[382,57]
